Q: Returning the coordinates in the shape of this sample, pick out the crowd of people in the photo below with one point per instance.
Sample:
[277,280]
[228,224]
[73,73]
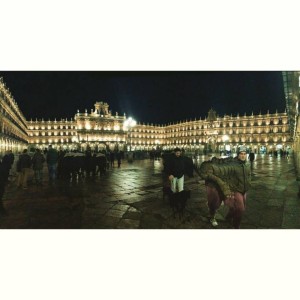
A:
[80,164]
[226,179]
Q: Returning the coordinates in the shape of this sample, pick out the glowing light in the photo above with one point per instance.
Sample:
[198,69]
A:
[129,123]
[225,138]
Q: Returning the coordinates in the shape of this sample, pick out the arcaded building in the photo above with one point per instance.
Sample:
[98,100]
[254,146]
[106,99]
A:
[13,125]
[261,133]
[100,128]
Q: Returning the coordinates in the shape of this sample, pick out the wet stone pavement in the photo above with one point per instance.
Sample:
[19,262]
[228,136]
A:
[130,197]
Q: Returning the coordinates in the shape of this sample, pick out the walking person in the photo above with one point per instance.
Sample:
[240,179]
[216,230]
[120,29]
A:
[38,160]
[112,159]
[251,157]
[24,165]
[240,184]
[119,158]
[287,153]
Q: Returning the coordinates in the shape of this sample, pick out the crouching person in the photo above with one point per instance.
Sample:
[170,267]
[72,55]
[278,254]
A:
[228,182]
[216,188]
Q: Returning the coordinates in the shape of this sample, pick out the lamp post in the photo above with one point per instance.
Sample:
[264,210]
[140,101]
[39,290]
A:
[128,125]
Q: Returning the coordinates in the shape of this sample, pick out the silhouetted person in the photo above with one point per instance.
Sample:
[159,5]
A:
[251,157]
[119,158]
[38,160]
[3,182]
[52,159]
[112,159]
[24,165]
[7,161]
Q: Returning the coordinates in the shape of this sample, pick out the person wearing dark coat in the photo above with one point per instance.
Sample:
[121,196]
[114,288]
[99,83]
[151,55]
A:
[7,161]
[231,183]
[112,159]
[52,160]
[175,168]
[3,181]
[38,160]
[24,165]
[251,157]
[119,158]
[216,188]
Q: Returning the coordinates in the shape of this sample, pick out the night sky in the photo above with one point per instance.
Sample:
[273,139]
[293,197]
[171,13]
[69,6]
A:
[158,97]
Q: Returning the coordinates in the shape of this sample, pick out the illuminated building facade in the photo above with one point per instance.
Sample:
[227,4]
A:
[261,133]
[97,130]
[100,129]
[13,125]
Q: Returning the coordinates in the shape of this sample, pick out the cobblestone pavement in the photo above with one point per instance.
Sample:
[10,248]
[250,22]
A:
[131,198]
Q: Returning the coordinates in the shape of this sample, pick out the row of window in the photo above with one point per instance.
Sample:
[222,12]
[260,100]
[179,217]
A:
[233,140]
[51,127]
[224,125]
[50,133]
[244,131]
[12,106]
[19,122]
[184,128]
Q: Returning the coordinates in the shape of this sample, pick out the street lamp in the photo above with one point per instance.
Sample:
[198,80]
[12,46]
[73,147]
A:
[128,125]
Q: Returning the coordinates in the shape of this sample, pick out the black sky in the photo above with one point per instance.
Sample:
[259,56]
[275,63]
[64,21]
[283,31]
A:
[158,97]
